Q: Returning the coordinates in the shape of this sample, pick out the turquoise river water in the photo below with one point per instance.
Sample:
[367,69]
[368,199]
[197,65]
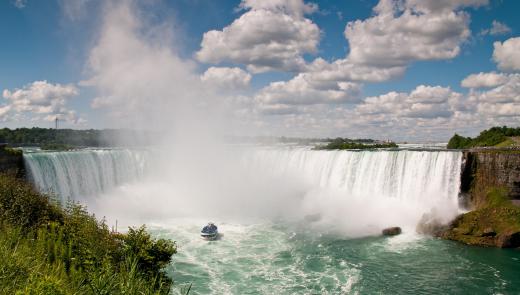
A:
[276,259]
[293,220]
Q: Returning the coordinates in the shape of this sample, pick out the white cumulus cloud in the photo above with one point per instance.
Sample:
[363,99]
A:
[423,102]
[381,47]
[405,31]
[484,80]
[271,35]
[226,78]
[300,91]
[507,54]
[42,98]
[509,92]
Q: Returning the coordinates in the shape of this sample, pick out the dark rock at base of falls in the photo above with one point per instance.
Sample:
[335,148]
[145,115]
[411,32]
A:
[430,224]
[392,231]
[312,217]
[488,232]
[489,227]
[508,240]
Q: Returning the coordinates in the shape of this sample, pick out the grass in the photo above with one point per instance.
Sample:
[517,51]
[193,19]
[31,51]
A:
[506,143]
[492,137]
[496,217]
[49,249]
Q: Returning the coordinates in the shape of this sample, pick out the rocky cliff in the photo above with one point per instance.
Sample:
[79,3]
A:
[11,161]
[485,168]
[490,184]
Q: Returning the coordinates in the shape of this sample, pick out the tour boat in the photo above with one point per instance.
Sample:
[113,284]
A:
[209,232]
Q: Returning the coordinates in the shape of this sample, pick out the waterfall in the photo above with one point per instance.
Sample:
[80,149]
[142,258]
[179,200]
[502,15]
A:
[400,174]
[358,192]
[74,174]
[404,174]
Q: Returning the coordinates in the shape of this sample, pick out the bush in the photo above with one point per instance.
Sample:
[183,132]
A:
[338,144]
[151,255]
[459,142]
[21,205]
[486,138]
[47,249]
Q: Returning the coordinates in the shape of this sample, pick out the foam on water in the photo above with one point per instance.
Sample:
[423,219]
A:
[294,220]
[355,192]
[260,258]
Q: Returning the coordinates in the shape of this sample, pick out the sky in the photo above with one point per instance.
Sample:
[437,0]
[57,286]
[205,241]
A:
[414,70]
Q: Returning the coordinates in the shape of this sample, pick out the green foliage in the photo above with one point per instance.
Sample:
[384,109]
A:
[44,136]
[151,255]
[506,143]
[496,214]
[345,144]
[21,205]
[459,142]
[497,196]
[11,160]
[13,152]
[56,147]
[39,285]
[491,137]
[61,138]
[47,249]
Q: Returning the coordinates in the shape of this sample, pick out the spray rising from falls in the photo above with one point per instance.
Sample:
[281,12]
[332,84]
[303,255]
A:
[356,192]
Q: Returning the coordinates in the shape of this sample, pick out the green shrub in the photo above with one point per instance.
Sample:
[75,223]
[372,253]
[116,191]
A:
[13,152]
[44,285]
[151,255]
[56,147]
[459,142]
[22,206]
[486,138]
[47,249]
[339,144]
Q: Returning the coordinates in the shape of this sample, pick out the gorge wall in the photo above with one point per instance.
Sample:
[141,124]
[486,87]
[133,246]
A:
[485,168]
[490,183]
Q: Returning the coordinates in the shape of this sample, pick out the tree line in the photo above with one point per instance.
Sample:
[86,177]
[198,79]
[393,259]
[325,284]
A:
[72,137]
[486,138]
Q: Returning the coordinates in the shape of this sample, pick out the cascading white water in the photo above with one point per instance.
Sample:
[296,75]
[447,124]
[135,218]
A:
[84,173]
[405,174]
[352,192]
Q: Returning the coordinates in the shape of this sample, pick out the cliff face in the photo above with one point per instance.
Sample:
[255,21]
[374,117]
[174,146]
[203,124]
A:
[490,183]
[11,161]
[490,168]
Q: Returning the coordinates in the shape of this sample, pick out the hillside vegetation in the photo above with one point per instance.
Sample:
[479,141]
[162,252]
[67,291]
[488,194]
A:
[48,249]
[348,144]
[495,222]
[493,137]
[67,138]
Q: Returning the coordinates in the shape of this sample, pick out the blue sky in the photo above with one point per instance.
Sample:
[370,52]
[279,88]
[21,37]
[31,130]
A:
[53,41]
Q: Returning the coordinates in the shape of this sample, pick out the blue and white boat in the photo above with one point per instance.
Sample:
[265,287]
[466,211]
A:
[209,232]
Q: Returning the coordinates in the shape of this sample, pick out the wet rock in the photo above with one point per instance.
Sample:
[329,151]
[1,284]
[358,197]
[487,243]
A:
[392,231]
[312,217]
[430,225]
[508,240]
[488,232]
